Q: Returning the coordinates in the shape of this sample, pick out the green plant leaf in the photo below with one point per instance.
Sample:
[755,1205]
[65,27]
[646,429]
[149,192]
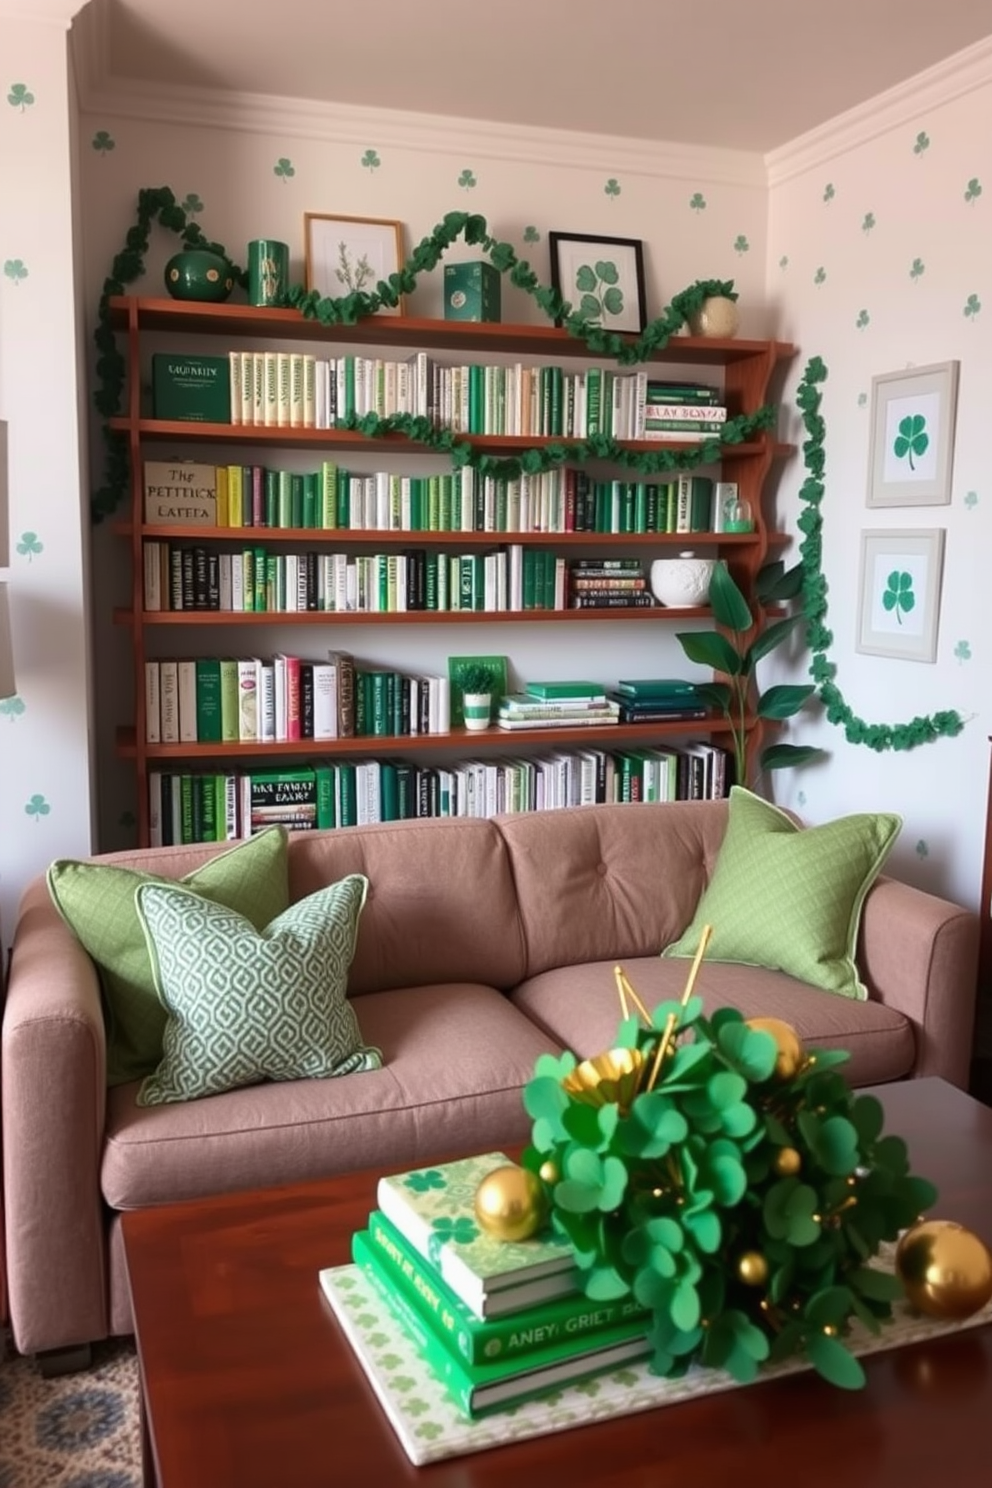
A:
[773,635]
[709,648]
[716,694]
[868,1117]
[781,756]
[775,583]
[832,1361]
[728,604]
[783,700]
[876,1285]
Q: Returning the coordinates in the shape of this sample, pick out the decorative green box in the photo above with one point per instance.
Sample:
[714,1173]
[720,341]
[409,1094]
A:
[471,291]
[196,388]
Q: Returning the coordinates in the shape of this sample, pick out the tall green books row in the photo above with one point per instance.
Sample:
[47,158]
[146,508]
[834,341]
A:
[336,499]
[248,700]
[187,576]
[276,389]
[204,806]
[497,1323]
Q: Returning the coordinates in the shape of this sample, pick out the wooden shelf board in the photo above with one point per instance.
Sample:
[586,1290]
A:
[605,735]
[192,317]
[407,617]
[430,539]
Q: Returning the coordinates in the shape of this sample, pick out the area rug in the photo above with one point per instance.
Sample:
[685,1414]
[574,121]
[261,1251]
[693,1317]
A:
[77,1431]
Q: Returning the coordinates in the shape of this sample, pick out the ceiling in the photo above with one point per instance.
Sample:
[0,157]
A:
[742,74]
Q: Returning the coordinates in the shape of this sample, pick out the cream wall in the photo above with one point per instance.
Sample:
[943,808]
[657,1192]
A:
[45,792]
[880,234]
[700,215]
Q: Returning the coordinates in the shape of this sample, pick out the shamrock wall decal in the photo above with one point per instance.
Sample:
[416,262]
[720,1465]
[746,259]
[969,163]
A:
[20,97]
[371,161]
[973,190]
[37,807]
[284,168]
[102,142]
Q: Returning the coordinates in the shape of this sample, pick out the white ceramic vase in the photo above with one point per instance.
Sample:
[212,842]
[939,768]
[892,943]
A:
[477,708]
[717,316]
[683,581]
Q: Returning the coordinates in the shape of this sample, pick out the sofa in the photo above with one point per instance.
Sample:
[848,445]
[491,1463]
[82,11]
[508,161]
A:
[482,944]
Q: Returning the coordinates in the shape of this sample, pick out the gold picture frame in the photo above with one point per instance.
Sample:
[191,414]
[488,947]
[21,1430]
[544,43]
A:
[343,254]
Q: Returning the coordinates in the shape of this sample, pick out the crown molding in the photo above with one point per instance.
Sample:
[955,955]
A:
[47,12]
[905,104]
[101,93]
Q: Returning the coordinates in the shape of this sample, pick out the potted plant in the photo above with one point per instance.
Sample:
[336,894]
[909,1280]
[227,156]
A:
[726,650]
[477,680]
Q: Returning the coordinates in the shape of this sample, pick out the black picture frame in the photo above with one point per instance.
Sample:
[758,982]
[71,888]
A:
[570,255]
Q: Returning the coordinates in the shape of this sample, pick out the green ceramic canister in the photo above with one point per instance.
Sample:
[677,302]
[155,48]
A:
[268,271]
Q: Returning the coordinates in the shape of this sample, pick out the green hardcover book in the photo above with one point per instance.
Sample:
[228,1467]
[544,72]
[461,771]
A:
[229,707]
[283,515]
[389,809]
[328,494]
[209,726]
[260,570]
[345,799]
[191,388]
[186,810]
[657,687]
[323,774]
[311,499]
[566,689]
[296,499]
[520,1332]
[476,1389]
[270,488]
[207,792]
[425,1204]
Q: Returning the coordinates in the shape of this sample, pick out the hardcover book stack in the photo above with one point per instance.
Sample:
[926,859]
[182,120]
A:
[496,1322]
[557,705]
[657,700]
[678,411]
[608,584]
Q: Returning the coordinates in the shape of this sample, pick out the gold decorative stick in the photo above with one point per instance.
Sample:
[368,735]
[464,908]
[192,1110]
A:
[634,997]
[621,992]
[666,1037]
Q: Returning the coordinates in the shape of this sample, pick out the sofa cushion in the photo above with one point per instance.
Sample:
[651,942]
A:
[579,1008]
[455,1060]
[246,1005]
[620,880]
[789,897]
[96,900]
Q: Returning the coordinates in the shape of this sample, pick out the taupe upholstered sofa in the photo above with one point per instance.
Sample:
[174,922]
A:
[482,944]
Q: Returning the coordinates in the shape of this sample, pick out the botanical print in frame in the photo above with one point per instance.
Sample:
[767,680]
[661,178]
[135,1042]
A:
[344,254]
[601,278]
[912,436]
[899,604]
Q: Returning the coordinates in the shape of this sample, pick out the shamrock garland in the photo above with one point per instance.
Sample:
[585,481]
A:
[740,1198]
[877,736]
[160,205]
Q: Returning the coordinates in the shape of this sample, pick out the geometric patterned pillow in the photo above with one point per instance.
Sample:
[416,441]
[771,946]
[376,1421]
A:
[790,897]
[245,1005]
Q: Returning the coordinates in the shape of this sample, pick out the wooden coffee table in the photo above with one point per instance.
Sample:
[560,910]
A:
[248,1383]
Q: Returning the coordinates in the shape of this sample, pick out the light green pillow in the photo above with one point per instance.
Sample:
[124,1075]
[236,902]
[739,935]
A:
[96,900]
[789,897]
[246,1005]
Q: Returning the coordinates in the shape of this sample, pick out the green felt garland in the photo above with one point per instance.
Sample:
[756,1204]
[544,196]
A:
[160,205]
[877,736]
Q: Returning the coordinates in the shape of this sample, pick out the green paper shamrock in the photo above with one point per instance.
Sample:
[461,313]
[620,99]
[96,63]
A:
[191,204]
[898,594]
[20,97]
[963,651]
[697,202]
[862,400]
[29,545]
[102,142]
[371,161]
[917,268]
[922,848]
[868,222]
[912,438]
[783,262]
[467,180]
[15,270]
[972,306]
[741,244]
[971,500]
[862,320]
[531,234]
[598,286]
[284,168]
[612,188]
[13,707]
[37,807]
[820,276]
[973,190]
[922,143]
[828,192]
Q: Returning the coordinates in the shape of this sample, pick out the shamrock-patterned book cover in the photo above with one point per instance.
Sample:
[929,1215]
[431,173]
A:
[430,1425]
[434,1209]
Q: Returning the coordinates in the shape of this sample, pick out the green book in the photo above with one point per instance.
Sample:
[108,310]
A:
[484,1387]
[345,799]
[433,1208]
[565,689]
[656,687]
[195,388]
[209,724]
[323,774]
[229,705]
[480,1341]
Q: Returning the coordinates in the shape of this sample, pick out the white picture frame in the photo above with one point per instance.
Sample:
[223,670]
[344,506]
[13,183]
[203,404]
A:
[899,593]
[911,450]
[342,254]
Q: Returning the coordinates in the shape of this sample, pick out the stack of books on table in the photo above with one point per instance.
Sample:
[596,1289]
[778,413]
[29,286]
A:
[656,700]
[558,705]
[495,1322]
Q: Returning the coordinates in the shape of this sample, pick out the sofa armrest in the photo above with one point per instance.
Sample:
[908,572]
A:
[53,1094]
[919,954]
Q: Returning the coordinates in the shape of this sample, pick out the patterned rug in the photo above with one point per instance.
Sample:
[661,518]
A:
[78,1431]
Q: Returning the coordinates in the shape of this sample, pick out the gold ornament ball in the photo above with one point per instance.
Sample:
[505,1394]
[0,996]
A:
[548,1172]
[511,1204]
[787,1162]
[752,1268]
[945,1269]
[791,1053]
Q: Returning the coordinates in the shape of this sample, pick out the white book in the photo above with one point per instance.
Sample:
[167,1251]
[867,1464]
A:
[297,379]
[247,387]
[227,825]
[237,583]
[292,571]
[186,672]
[315,396]
[153,705]
[281,711]
[169,701]
[325,700]
[284,389]
[258,387]
[248,711]
[267,703]
[224,581]
[155,808]
[234,357]
[152,564]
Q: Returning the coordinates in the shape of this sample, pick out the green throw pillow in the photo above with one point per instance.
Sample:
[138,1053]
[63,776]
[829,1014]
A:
[246,1005]
[789,897]
[96,900]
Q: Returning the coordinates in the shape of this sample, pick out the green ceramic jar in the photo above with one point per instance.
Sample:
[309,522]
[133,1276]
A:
[198,274]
